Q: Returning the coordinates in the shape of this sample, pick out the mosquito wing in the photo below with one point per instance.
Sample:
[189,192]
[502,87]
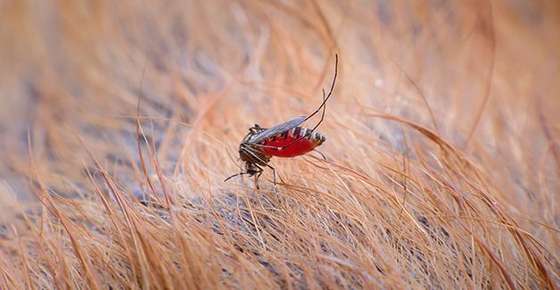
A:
[278,129]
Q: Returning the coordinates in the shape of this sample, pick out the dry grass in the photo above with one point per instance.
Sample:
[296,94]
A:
[442,170]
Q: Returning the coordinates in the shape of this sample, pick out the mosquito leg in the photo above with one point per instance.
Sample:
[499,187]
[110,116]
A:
[322,113]
[323,104]
[281,179]
[321,153]
[257,177]
[312,130]
[273,174]
[330,91]
[274,177]
[268,146]
[255,155]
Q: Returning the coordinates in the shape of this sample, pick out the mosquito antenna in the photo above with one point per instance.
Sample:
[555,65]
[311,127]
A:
[237,174]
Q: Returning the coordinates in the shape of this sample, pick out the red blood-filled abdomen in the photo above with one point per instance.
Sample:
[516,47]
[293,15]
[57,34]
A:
[293,146]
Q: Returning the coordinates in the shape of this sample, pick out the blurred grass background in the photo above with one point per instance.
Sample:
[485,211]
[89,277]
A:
[482,76]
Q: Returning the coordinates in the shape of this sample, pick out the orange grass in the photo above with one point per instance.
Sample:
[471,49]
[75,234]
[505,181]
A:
[120,120]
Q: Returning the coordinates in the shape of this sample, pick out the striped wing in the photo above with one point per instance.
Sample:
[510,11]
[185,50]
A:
[278,129]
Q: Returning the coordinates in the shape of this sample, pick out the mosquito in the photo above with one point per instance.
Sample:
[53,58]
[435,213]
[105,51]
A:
[286,140]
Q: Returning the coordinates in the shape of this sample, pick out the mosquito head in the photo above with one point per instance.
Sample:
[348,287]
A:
[255,129]
[252,168]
